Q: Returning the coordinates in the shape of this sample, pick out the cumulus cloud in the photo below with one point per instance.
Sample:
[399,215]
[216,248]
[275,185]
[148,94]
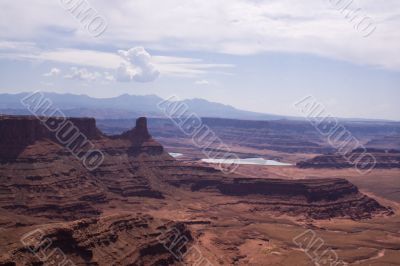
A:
[82,74]
[138,66]
[167,65]
[53,72]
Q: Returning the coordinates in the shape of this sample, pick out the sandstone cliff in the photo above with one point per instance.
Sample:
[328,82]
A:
[43,185]
[45,180]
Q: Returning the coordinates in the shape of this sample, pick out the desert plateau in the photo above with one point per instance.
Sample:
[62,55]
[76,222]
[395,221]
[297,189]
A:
[140,200]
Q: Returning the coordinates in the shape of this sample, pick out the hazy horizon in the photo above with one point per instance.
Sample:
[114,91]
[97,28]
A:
[299,116]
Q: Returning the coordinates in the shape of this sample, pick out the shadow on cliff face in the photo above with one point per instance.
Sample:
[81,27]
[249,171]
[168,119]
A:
[18,132]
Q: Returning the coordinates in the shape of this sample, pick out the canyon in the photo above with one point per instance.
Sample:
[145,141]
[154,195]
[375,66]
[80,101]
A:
[129,209]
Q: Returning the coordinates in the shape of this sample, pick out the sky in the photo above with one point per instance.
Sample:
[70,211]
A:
[257,55]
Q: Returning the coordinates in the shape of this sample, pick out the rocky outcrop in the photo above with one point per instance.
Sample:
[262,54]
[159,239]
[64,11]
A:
[46,181]
[282,136]
[107,215]
[140,139]
[17,132]
[115,240]
[140,133]
[364,158]
[315,199]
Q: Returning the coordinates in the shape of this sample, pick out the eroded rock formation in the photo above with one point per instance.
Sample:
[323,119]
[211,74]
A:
[45,180]
[43,185]
[18,132]
[316,198]
[360,158]
[116,240]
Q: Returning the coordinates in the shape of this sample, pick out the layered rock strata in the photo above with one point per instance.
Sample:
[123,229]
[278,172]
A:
[363,158]
[46,181]
[116,240]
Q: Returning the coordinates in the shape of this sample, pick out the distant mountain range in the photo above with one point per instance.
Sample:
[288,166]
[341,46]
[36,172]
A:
[128,106]
[131,106]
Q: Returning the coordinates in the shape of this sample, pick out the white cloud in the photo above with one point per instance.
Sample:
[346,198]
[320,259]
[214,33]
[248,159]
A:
[221,26]
[53,72]
[108,76]
[77,57]
[167,65]
[124,73]
[202,82]
[250,27]
[16,46]
[138,66]
[82,74]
